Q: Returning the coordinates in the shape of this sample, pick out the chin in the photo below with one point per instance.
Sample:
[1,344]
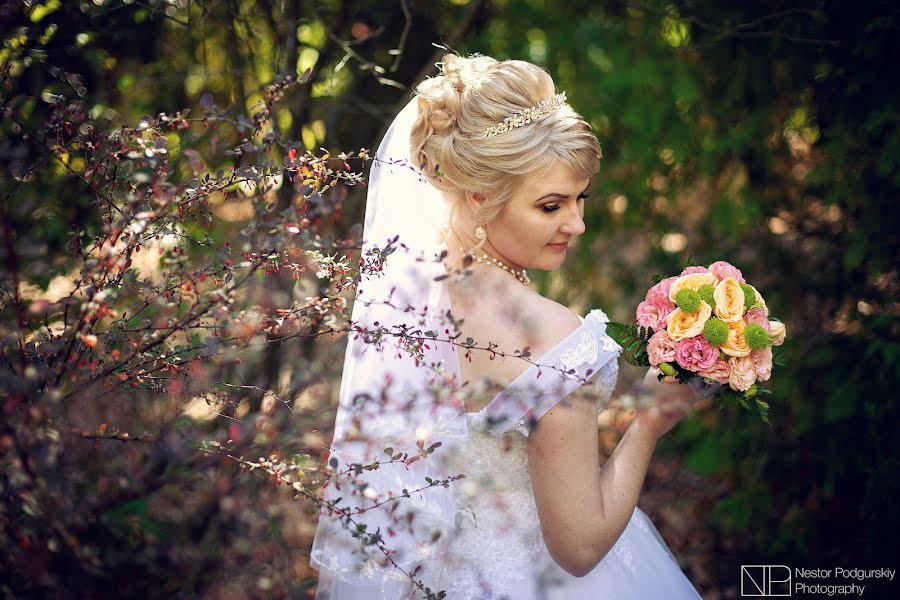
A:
[549,264]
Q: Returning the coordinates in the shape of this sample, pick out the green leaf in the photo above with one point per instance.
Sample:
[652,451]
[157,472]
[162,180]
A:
[763,407]
[630,338]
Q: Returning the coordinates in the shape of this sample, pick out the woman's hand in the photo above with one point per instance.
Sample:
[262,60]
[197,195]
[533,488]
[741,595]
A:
[671,402]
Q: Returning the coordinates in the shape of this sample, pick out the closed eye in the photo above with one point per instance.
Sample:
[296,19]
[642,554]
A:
[554,206]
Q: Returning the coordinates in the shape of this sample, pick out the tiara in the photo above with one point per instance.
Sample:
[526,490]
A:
[527,115]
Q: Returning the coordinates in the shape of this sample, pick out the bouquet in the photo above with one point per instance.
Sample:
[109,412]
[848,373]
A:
[706,326]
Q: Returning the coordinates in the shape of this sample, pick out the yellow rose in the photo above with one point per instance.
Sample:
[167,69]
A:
[736,344]
[680,324]
[692,281]
[777,332]
[729,299]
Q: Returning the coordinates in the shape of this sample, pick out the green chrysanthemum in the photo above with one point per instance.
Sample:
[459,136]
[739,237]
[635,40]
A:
[749,296]
[667,369]
[688,301]
[756,337]
[715,331]
[706,292]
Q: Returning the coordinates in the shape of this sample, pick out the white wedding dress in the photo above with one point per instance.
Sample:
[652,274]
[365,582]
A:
[477,537]
[496,550]
[499,545]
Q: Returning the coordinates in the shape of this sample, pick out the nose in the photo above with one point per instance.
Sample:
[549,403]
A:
[574,223]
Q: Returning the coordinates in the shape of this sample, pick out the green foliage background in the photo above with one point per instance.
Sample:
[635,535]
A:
[762,133]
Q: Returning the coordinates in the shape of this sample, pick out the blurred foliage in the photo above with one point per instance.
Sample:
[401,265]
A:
[765,134]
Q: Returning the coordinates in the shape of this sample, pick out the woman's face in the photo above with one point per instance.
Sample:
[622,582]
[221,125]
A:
[540,221]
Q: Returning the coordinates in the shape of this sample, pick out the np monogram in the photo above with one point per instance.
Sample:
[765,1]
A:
[765,580]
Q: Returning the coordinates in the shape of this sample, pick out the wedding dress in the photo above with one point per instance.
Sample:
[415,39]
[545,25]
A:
[498,551]
[477,537]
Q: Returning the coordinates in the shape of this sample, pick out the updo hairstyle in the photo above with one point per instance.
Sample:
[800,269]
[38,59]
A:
[474,93]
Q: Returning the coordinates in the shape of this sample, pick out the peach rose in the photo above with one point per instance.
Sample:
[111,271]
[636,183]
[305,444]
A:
[682,325]
[762,363]
[729,299]
[735,345]
[661,348]
[777,332]
[743,375]
[692,281]
[719,372]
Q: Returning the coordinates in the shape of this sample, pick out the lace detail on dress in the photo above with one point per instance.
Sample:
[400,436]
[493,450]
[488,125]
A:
[605,383]
[496,519]
[584,352]
[624,551]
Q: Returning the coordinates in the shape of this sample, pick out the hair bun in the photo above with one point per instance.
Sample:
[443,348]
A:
[439,99]
[440,96]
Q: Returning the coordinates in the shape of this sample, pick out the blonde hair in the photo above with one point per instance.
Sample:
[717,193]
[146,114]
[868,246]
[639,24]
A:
[474,93]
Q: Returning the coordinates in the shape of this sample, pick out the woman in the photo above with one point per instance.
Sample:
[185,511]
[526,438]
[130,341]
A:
[482,176]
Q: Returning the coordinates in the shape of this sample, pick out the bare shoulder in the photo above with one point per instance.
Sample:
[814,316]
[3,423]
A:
[512,317]
[550,322]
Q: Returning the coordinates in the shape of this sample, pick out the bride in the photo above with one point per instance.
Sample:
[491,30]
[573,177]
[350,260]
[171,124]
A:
[482,176]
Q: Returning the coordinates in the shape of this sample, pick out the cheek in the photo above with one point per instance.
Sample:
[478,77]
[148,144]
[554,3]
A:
[529,231]
[525,234]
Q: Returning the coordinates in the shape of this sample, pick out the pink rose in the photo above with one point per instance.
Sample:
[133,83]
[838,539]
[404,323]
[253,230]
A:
[661,348]
[719,372]
[756,315]
[696,354]
[743,375]
[653,311]
[661,288]
[722,269]
[762,363]
[689,270]
[656,294]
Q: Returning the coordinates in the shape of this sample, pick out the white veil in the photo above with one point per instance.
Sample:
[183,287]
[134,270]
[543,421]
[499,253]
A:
[398,390]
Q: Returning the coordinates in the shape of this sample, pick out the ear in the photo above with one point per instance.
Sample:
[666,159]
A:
[475,200]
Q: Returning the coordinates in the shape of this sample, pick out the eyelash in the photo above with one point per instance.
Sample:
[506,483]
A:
[549,208]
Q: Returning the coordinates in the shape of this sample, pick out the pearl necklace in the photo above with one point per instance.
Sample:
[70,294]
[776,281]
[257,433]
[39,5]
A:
[487,259]
[490,260]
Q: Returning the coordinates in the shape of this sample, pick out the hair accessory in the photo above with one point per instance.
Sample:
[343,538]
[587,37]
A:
[525,116]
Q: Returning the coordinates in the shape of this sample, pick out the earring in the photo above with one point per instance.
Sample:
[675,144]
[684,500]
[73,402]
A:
[480,233]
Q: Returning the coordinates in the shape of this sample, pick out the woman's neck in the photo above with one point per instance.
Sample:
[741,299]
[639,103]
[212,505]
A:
[462,228]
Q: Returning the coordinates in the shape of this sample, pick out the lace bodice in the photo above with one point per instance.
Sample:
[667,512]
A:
[497,518]
[498,546]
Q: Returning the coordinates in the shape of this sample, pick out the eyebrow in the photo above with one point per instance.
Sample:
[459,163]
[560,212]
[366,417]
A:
[559,195]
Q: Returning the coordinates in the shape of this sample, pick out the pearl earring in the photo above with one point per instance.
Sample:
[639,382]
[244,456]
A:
[480,233]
